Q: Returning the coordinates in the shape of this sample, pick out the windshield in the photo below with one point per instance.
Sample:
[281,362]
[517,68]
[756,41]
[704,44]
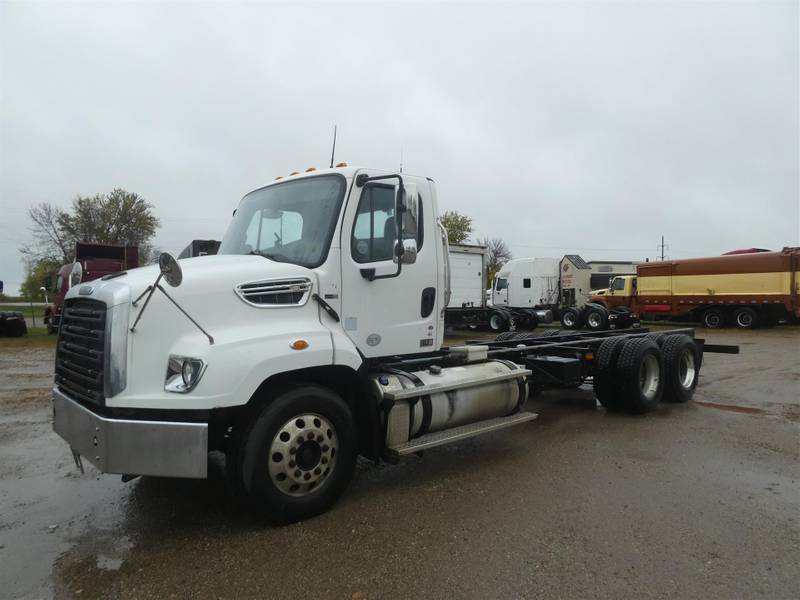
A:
[618,283]
[289,222]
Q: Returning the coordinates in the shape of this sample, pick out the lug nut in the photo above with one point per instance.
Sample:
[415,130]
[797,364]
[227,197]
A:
[320,438]
[324,461]
[307,476]
[297,473]
[292,450]
[325,448]
[291,464]
[317,471]
[310,435]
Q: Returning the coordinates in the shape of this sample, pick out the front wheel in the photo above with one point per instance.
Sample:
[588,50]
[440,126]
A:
[299,454]
[498,321]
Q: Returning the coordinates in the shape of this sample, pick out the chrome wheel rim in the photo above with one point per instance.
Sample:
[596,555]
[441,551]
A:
[568,320]
[745,319]
[686,369]
[495,322]
[303,454]
[712,320]
[594,320]
[649,376]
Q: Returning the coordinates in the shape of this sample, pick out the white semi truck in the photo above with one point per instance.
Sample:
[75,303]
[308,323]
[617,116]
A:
[316,335]
[468,306]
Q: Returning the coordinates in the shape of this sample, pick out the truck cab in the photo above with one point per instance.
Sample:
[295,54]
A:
[621,291]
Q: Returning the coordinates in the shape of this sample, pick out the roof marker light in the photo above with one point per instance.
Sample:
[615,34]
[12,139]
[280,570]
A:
[309,169]
[294,173]
[341,164]
[278,177]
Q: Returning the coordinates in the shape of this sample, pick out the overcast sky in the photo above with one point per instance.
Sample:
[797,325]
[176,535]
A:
[561,127]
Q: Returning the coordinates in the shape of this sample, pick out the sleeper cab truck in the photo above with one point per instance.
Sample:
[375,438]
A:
[93,262]
[740,290]
[313,336]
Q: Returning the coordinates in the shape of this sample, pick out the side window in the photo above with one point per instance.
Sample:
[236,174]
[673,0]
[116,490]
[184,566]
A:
[374,230]
[502,283]
[619,283]
[526,283]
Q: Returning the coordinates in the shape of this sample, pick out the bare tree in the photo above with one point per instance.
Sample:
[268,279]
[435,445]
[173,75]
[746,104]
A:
[498,254]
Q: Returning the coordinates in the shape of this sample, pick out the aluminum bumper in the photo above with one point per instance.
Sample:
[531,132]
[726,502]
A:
[160,448]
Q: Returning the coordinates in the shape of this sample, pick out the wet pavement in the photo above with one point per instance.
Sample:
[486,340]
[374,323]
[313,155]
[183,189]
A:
[696,500]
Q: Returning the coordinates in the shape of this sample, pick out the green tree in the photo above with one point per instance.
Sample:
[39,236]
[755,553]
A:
[120,217]
[458,226]
[36,277]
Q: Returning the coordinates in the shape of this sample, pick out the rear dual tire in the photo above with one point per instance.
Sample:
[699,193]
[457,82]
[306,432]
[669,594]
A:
[634,374]
[572,318]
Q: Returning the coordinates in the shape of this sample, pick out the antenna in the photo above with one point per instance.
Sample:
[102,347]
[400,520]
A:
[663,247]
[333,150]
[401,159]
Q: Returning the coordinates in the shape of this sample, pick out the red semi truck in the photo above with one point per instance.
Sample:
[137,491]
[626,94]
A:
[96,261]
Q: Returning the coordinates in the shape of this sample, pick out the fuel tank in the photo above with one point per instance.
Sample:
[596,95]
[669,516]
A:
[468,394]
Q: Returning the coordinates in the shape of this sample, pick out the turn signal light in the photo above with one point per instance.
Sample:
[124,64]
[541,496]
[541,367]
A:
[299,345]
[341,164]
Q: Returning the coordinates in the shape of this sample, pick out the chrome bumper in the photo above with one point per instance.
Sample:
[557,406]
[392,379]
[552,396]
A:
[160,448]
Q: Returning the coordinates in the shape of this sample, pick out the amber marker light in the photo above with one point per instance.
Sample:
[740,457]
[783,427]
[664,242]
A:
[293,173]
[341,164]
[309,169]
[589,356]
[299,345]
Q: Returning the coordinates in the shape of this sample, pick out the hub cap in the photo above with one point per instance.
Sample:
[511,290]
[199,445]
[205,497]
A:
[686,369]
[745,319]
[302,454]
[649,376]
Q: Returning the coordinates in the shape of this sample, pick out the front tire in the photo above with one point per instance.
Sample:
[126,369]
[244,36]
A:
[498,321]
[299,455]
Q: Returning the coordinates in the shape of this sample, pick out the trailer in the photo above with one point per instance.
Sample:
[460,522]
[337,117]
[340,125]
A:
[316,335]
[745,289]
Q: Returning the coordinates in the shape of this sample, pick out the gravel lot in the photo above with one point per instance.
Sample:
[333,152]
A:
[696,500]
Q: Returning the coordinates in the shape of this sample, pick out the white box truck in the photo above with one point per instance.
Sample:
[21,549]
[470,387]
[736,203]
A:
[316,335]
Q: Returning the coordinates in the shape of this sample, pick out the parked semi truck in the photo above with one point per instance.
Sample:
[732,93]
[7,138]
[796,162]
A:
[93,262]
[468,306]
[315,335]
[744,290]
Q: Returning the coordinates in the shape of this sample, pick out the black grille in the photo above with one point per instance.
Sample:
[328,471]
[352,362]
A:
[81,349]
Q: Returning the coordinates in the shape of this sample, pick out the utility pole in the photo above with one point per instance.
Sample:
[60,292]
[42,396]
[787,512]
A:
[662,246]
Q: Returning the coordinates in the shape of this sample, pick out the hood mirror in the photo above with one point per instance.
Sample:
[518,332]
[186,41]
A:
[76,274]
[170,269]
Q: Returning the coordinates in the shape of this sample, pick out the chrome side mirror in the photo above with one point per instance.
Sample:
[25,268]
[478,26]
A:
[170,269]
[409,252]
[76,274]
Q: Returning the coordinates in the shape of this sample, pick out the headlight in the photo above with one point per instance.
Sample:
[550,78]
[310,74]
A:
[183,373]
